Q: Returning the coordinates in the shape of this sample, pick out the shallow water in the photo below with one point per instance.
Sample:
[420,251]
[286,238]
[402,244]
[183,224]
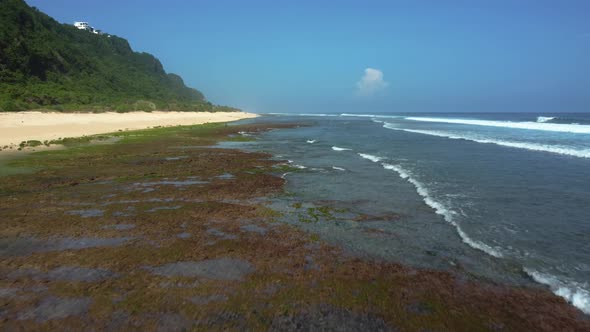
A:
[6,169]
[503,196]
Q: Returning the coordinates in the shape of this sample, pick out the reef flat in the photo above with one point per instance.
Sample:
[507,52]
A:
[163,229]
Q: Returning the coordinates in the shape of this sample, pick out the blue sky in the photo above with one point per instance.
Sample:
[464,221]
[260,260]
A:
[361,56]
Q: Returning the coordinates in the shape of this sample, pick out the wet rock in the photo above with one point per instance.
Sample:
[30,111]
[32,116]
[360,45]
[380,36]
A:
[126,201]
[128,212]
[119,227]
[431,253]
[118,320]
[175,158]
[310,264]
[495,326]
[383,217]
[225,320]
[64,273]
[8,292]
[90,213]
[73,273]
[24,273]
[220,234]
[164,208]
[27,246]
[217,269]
[377,232]
[272,289]
[174,322]
[38,289]
[328,318]
[57,308]
[202,300]
[177,183]
[121,214]
[169,284]
[225,176]
[254,229]
[83,243]
[312,246]
[183,235]
[420,308]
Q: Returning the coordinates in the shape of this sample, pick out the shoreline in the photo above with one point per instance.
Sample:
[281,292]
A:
[18,127]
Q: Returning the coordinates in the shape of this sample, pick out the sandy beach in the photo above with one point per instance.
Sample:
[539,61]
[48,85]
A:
[23,126]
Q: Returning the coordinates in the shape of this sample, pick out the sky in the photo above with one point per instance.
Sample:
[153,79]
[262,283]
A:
[361,56]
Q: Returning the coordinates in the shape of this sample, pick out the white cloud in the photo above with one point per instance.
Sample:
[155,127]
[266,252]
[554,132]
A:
[371,82]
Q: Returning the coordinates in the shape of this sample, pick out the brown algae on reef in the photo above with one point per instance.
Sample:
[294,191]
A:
[85,245]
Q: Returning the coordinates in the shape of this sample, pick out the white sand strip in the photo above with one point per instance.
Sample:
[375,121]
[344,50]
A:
[23,126]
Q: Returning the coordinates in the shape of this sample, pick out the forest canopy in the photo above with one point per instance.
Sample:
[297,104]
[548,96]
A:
[48,65]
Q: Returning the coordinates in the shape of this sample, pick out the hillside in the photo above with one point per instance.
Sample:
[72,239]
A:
[48,65]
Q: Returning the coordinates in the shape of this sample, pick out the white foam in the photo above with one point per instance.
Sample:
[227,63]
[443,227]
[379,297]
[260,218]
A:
[442,210]
[290,162]
[563,150]
[370,157]
[335,148]
[338,168]
[304,114]
[576,294]
[542,119]
[566,128]
[311,141]
[371,116]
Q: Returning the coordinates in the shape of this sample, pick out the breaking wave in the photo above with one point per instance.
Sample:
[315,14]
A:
[573,292]
[442,210]
[543,119]
[371,116]
[439,208]
[563,120]
[304,114]
[290,162]
[563,150]
[370,157]
[557,127]
[335,148]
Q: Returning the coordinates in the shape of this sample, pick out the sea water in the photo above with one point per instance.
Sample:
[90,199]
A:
[500,196]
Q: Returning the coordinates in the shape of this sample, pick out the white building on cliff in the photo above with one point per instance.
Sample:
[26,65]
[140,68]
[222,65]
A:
[87,27]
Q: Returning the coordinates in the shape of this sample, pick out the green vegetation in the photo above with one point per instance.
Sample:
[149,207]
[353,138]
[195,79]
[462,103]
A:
[285,168]
[31,144]
[317,214]
[48,65]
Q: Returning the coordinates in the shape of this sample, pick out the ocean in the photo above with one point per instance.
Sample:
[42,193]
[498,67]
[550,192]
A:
[503,197]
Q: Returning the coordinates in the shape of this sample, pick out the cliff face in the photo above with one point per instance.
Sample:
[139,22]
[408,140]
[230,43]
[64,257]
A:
[45,64]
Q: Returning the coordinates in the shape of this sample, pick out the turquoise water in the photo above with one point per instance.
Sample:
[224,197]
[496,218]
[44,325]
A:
[501,196]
